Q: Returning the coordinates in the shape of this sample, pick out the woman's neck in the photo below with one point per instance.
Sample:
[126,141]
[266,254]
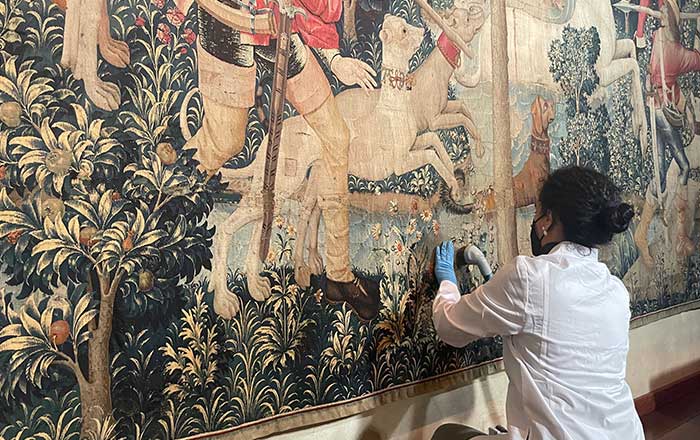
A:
[555,235]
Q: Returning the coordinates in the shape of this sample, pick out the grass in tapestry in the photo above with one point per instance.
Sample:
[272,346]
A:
[295,350]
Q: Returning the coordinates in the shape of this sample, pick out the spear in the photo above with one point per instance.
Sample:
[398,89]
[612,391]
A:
[279,87]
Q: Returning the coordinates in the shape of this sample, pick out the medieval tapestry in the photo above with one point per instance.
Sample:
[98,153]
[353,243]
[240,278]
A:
[217,218]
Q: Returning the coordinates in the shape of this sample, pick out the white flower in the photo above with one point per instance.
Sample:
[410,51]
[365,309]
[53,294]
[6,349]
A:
[411,228]
[376,231]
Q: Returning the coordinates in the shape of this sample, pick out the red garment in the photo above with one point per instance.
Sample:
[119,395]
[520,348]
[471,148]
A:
[642,17]
[449,50]
[677,61]
[317,29]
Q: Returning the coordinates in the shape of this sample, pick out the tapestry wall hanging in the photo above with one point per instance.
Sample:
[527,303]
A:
[218,217]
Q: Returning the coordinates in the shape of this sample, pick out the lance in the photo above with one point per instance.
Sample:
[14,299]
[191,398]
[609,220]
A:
[626,6]
[279,87]
[655,145]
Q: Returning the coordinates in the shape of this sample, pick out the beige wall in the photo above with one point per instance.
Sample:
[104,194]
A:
[660,353]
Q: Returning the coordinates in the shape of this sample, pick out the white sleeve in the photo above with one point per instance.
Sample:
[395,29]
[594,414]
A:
[495,308]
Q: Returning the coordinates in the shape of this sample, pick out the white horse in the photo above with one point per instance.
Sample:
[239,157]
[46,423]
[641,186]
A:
[529,41]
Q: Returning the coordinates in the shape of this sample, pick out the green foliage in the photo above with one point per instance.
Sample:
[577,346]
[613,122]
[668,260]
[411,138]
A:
[26,347]
[585,143]
[629,169]
[294,350]
[572,64]
[54,417]
[88,204]
[11,18]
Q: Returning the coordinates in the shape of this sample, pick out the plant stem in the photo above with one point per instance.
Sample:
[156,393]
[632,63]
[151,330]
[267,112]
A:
[69,363]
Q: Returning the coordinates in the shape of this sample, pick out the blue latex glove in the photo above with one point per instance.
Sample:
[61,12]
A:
[445,262]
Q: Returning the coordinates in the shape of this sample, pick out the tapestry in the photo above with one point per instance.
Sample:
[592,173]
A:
[217,218]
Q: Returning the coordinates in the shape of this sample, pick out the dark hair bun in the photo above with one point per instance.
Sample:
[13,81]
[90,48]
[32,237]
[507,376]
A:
[587,203]
[618,218]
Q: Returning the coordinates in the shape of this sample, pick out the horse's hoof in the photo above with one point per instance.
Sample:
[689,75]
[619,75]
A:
[302,275]
[315,263]
[226,304]
[685,247]
[259,288]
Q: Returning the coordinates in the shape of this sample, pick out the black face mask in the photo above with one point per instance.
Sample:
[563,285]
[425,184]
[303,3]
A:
[536,242]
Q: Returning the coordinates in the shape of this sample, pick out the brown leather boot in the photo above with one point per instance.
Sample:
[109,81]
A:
[361,294]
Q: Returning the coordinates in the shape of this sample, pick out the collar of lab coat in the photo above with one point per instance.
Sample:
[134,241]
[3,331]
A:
[576,250]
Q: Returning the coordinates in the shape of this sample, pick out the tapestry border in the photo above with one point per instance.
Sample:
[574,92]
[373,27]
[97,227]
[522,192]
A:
[649,318]
[313,416]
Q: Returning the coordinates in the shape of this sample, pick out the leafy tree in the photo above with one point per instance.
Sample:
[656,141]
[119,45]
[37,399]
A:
[572,65]
[88,226]
[585,143]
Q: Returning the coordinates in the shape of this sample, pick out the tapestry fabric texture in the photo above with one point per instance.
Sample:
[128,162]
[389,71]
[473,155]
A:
[217,218]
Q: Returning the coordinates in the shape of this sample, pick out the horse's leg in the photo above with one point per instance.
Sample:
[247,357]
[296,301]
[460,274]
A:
[431,140]
[625,49]
[315,261]
[302,271]
[71,37]
[258,286]
[226,303]
[642,231]
[616,70]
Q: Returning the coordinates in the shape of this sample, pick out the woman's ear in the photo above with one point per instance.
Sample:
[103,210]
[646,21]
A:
[547,220]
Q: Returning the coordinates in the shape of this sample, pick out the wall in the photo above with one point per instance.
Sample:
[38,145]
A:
[660,353]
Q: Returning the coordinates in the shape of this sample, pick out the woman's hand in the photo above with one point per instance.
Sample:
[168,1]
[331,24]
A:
[445,263]
[351,71]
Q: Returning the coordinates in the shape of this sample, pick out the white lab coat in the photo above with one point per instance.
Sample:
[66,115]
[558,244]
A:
[564,319]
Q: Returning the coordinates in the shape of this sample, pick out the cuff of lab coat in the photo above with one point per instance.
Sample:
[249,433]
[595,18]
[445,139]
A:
[449,290]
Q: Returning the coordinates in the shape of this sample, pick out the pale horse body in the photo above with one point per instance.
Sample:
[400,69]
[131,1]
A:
[382,143]
[529,41]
